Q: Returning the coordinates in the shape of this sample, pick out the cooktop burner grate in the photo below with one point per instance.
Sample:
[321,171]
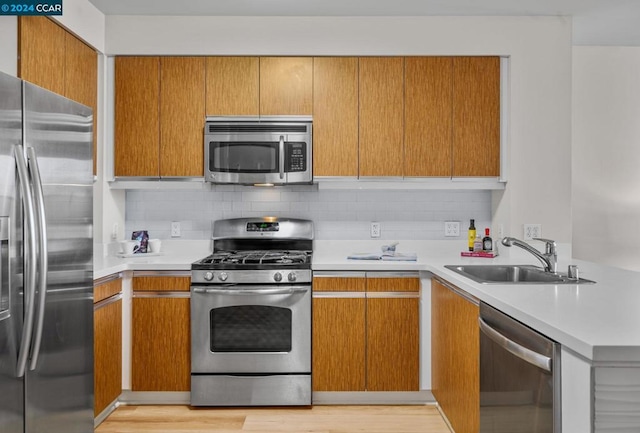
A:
[259,257]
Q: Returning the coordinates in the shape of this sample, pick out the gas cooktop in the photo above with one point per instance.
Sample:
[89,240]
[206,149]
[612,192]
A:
[256,259]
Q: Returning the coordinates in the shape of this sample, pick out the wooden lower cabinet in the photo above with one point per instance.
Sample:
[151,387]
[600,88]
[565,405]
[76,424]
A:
[365,340]
[393,344]
[339,344]
[161,339]
[107,344]
[455,362]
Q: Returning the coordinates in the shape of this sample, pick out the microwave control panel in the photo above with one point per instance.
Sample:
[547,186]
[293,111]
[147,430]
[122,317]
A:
[296,157]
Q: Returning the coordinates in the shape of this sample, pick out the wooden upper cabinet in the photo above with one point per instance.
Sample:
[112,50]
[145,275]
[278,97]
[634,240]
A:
[381,97]
[335,116]
[41,49]
[81,80]
[53,58]
[182,112]
[428,120]
[476,116]
[233,85]
[137,131]
[286,86]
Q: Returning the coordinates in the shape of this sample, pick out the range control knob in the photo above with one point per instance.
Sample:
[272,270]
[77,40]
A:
[277,277]
[292,276]
[223,276]
[208,275]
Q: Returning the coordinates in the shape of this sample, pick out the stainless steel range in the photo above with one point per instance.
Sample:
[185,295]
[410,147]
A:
[251,315]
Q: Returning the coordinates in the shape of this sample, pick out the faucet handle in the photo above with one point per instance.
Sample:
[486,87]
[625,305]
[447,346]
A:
[550,245]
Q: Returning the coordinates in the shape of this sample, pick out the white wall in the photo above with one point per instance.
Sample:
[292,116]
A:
[84,20]
[539,188]
[606,155]
[9,45]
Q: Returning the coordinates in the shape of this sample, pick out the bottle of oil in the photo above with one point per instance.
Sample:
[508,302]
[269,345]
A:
[472,234]
[487,242]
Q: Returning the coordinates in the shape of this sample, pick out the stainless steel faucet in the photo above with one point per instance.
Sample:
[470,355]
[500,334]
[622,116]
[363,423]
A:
[550,257]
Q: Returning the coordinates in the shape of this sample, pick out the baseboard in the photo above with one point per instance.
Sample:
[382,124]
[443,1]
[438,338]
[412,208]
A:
[319,397]
[370,397]
[155,397]
[105,413]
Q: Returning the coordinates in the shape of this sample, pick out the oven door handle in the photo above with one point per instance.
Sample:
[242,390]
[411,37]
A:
[278,291]
[514,348]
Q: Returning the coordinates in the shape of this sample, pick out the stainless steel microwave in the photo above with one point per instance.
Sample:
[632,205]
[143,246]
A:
[271,150]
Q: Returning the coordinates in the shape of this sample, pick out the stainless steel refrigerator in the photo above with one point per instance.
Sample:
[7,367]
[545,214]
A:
[46,271]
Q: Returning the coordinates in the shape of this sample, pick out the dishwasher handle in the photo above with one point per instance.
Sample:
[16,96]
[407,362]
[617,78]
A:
[528,355]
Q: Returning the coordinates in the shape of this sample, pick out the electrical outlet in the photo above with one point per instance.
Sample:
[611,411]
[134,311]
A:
[499,231]
[375,230]
[175,229]
[114,232]
[532,231]
[452,228]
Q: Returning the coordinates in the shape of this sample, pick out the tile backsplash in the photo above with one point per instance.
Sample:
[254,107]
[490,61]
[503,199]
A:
[337,214]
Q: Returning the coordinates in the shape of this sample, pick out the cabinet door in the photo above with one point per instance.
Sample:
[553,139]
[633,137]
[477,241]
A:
[182,99]
[335,116]
[81,80]
[137,131]
[428,120]
[476,116]
[41,52]
[107,347]
[161,346]
[338,344]
[455,365]
[233,85]
[338,334]
[393,344]
[161,334]
[286,86]
[393,334]
[381,98]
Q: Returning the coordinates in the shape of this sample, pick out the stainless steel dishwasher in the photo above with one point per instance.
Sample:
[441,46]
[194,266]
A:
[519,377]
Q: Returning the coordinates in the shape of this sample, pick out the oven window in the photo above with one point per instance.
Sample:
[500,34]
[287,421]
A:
[244,157]
[250,328]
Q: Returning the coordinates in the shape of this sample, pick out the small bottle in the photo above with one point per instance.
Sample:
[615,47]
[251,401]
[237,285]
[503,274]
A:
[472,234]
[477,244]
[487,242]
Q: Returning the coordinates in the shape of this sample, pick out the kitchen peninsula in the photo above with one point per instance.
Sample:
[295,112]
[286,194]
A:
[596,324]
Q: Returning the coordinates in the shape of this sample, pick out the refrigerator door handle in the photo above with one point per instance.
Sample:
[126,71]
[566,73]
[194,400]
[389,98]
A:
[30,260]
[43,262]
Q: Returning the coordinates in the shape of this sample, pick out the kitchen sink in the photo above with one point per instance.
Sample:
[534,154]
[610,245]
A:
[513,274]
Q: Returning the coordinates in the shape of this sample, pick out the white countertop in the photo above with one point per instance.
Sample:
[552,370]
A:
[600,322]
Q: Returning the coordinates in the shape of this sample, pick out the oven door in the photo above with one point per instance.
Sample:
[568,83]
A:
[251,329]
[258,158]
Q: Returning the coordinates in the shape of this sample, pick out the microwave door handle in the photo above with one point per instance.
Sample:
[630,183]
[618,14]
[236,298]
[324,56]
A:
[281,154]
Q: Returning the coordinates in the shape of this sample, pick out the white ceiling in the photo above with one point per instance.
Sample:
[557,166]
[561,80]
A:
[595,22]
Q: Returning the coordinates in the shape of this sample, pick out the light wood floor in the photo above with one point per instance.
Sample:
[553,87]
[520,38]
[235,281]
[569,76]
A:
[319,419]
